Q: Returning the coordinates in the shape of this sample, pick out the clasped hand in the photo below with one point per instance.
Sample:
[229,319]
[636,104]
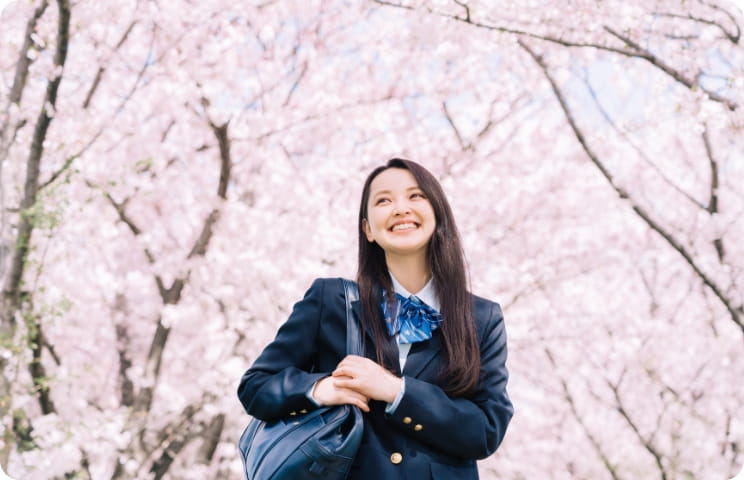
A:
[356,381]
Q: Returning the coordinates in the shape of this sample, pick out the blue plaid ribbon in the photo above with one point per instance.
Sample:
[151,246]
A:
[411,319]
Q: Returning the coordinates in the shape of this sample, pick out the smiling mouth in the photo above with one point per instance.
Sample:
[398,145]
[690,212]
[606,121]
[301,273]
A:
[404,226]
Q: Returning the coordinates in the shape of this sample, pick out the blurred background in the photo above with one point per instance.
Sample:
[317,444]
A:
[173,175]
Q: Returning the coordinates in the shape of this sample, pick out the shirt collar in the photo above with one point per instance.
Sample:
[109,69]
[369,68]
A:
[427,294]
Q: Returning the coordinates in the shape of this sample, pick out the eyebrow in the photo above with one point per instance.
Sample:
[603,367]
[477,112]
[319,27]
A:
[380,192]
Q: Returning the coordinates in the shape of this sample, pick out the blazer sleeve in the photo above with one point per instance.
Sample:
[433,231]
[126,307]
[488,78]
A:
[277,382]
[468,428]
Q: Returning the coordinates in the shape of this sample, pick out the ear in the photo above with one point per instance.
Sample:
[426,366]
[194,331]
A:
[367,231]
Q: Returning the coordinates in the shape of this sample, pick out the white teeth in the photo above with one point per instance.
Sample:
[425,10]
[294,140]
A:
[404,226]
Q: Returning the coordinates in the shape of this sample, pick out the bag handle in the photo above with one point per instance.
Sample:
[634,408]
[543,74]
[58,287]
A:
[353,332]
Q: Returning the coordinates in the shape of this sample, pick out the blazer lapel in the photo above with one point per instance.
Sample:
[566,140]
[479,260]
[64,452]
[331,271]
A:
[421,354]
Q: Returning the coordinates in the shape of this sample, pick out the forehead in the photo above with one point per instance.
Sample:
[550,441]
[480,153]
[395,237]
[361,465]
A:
[393,179]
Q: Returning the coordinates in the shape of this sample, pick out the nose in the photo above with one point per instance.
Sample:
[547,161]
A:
[401,208]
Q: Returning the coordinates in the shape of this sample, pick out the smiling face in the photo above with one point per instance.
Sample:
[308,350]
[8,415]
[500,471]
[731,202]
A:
[399,216]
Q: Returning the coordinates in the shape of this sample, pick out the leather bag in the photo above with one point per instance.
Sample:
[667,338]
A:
[320,444]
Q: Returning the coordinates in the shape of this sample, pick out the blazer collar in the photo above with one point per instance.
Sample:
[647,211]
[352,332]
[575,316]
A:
[420,355]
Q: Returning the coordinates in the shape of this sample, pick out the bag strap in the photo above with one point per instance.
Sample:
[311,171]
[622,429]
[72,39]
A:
[353,332]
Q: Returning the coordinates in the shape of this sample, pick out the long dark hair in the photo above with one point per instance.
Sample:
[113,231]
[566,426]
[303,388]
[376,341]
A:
[461,369]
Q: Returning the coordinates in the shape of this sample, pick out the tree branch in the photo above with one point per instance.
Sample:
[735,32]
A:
[635,51]
[126,386]
[170,296]
[456,131]
[69,161]
[24,60]
[637,149]
[102,69]
[296,84]
[737,36]
[733,37]
[36,369]
[182,437]
[735,311]
[466,7]
[611,469]
[647,444]
[33,164]
[713,201]
[10,302]
[8,131]
[664,67]
[211,435]
[143,401]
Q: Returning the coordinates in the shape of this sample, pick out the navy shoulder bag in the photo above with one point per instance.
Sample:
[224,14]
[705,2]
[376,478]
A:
[317,445]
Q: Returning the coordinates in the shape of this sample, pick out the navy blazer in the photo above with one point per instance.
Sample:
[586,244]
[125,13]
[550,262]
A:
[430,435]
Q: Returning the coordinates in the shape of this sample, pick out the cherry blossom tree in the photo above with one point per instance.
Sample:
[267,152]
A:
[649,94]
[174,174]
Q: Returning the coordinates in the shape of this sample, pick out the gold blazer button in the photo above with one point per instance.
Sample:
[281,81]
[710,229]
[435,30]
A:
[418,427]
[396,458]
[407,420]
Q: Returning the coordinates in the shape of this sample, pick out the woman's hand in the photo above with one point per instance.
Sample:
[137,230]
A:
[328,392]
[367,378]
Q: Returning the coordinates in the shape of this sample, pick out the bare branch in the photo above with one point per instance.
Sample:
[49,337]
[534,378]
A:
[183,427]
[223,140]
[35,341]
[713,202]
[187,433]
[735,312]
[647,443]
[102,69]
[59,172]
[11,289]
[170,452]
[664,67]
[72,158]
[635,50]
[24,59]
[637,149]
[731,16]
[140,75]
[466,7]
[151,374]
[221,133]
[211,435]
[170,296]
[12,296]
[456,131]
[596,445]
[296,84]
[733,37]
[392,4]
[126,386]
[175,427]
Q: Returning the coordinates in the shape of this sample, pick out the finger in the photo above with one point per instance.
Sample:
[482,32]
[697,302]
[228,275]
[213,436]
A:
[355,360]
[344,389]
[354,384]
[342,371]
[351,397]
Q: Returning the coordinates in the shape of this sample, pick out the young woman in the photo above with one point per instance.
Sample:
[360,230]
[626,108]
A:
[432,383]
